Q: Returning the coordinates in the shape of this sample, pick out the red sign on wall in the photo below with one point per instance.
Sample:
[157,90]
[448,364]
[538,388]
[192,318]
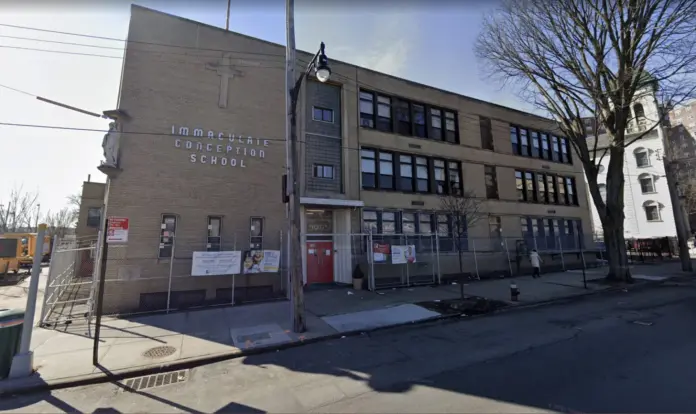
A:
[117,230]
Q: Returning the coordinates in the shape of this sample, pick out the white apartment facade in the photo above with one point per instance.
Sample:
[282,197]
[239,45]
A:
[648,208]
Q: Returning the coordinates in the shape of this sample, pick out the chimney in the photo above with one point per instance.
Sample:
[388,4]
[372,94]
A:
[89,177]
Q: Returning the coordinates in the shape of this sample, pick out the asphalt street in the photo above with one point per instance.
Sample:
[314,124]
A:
[625,352]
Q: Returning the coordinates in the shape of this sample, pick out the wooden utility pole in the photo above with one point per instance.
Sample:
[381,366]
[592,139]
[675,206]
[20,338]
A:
[294,238]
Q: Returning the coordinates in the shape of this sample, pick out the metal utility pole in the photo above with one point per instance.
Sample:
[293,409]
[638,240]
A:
[227,19]
[320,64]
[677,210]
[38,211]
[23,362]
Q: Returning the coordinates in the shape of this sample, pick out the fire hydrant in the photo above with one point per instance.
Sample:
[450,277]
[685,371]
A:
[514,292]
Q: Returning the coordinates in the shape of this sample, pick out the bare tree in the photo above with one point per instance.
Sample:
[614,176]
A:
[577,59]
[59,222]
[465,210]
[17,211]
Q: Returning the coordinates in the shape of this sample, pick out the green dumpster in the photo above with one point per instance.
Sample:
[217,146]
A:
[11,321]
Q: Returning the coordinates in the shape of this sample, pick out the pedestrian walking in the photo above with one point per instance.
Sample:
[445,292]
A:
[536,263]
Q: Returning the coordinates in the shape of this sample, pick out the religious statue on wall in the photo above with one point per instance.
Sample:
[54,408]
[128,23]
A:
[110,145]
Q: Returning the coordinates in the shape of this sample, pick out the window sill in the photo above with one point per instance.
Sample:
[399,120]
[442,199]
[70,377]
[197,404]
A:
[413,136]
[655,221]
[649,193]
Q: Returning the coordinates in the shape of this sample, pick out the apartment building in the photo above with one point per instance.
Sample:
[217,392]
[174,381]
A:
[197,152]
[89,215]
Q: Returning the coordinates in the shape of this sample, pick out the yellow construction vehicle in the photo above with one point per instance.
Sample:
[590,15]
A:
[27,248]
[10,250]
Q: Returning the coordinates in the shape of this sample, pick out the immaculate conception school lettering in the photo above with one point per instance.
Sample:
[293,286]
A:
[218,148]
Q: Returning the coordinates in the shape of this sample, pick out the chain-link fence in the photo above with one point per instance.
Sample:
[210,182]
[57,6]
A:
[395,260]
[67,297]
[191,272]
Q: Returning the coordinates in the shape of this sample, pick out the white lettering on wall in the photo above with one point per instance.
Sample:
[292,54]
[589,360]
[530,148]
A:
[238,145]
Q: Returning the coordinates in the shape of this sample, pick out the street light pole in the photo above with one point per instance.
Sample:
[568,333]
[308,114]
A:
[319,63]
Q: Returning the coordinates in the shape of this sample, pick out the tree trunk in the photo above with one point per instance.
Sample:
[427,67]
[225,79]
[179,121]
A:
[616,253]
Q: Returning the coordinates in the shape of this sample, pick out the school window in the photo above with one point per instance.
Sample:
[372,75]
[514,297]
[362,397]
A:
[384,122]
[436,124]
[491,179]
[486,133]
[529,186]
[450,127]
[455,178]
[439,169]
[214,241]
[388,222]
[545,152]
[562,194]
[386,170]
[94,217]
[425,223]
[422,180]
[524,142]
[565,151]
[515,140]
[367,109]
[419,121]
[322,114]
[368,168]
[443,225]
[256,233]
[536,148]
[551,188]
[556,155]
[541,186]
[408,223]
[495,228]
[370,223]
[323,171]
[403,117]
[570,190]
[405,173]
[519,184]
[167,232]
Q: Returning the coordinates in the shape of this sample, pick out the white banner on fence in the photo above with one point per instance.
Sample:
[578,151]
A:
[216,263]
[403,254]
[262,261]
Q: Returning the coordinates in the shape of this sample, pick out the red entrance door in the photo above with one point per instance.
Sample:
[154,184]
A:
[320,262]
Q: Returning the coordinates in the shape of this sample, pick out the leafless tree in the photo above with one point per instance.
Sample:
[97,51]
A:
[576,59]
[18,210]
[465,209]
[59,222]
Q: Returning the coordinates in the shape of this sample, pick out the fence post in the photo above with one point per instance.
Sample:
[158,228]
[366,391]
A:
[560,245]
[371,262]
[437,255]
[234,249]
[171,270]
[473,243]
[44,308]
[408,279]
[507,252]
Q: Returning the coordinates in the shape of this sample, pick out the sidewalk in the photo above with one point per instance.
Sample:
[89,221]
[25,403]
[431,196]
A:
[133,344]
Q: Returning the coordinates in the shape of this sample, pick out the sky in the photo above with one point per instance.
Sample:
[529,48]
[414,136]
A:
[409,39]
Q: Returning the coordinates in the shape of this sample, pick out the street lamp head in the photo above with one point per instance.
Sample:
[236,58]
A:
[323,71]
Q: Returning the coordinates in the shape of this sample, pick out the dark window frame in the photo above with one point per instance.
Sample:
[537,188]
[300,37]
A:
[166,243]
[93,220]
[320,171]
[323,111]
[256,241]
[490,174]
[486,131]
[213,243]
[374,174]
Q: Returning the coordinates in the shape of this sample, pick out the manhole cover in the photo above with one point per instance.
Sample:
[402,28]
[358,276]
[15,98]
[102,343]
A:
[159,352]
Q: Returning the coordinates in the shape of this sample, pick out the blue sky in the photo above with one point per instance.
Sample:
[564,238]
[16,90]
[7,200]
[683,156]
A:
[410,39]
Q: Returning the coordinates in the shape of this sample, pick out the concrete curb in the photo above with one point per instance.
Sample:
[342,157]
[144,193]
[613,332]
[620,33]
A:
[35,384]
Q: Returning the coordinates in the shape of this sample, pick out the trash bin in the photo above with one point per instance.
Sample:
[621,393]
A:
[11,323]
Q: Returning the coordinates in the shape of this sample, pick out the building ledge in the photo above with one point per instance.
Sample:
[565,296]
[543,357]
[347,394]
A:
[337,202]
[109,170]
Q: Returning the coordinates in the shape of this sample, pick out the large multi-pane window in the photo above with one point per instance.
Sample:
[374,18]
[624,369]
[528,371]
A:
[545,188]
[535,144]
[551,234]
[393,114]
[409,173]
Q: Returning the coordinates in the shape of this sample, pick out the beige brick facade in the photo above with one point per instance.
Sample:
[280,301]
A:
[166,89]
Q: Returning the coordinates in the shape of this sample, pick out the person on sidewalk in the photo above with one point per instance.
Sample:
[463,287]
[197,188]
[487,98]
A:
[536,263]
